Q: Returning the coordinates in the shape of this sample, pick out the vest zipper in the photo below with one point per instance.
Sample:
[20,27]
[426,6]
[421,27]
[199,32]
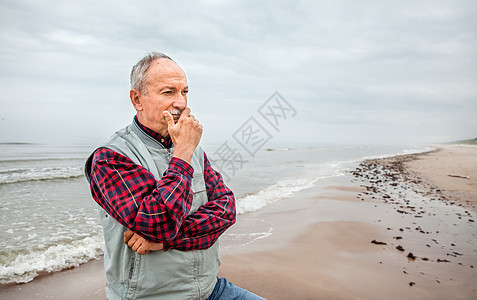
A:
[131,270]
[196,272]
[148,136]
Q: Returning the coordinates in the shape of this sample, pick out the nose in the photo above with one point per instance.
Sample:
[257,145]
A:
[180,102]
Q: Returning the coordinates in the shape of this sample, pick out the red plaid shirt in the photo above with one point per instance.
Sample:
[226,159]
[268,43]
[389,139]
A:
[157,210]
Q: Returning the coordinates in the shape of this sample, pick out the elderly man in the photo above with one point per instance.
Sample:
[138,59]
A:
[159,194]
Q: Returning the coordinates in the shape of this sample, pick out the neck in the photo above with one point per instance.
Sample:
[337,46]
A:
[162,131]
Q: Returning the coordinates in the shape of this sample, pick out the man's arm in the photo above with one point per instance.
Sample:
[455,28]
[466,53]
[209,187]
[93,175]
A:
[201,229]
[133,197]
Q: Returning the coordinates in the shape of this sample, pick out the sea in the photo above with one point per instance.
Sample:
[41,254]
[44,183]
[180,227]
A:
[49,221]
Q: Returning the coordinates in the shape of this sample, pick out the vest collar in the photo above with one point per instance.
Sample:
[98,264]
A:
[147,134]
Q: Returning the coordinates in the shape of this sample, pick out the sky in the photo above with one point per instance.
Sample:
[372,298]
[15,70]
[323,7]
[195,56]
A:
[355,72]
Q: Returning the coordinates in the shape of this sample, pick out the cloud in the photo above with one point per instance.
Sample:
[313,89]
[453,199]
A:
[368,69]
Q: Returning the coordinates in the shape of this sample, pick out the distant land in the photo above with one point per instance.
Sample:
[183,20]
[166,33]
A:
[468,142]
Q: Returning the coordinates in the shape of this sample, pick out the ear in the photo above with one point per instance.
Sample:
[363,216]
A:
[135,97]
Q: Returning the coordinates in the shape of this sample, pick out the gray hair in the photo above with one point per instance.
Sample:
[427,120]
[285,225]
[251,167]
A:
[138,72]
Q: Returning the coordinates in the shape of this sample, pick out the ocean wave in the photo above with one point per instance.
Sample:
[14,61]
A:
[278,149]
[18,143]
[20,266]
[33,174]
[245,238]
[37,160]
[416,151]
[404,152]
[281,190]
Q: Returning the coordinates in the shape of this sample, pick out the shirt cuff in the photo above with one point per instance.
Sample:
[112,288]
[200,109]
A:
[178,165]
[167,245]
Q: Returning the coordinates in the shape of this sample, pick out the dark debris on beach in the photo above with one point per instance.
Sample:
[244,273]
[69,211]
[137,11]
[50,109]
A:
[389,181]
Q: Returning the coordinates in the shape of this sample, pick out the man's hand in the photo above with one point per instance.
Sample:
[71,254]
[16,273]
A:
[140,244]
[185,134]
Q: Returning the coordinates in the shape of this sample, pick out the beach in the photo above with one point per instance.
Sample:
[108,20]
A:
[336,258]
[398,227]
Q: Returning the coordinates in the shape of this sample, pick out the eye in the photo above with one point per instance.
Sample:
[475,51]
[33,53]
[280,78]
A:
[167,92]
[185,92]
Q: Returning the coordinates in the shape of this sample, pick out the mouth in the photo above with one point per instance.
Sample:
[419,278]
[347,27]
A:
[176,114]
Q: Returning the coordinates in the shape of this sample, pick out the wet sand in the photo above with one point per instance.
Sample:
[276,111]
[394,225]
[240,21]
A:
[84,282]
[392,228]
[395,232]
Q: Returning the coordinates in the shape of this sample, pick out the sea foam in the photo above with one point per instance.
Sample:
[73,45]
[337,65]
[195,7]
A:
[24,265]
[46,173]
[281,190]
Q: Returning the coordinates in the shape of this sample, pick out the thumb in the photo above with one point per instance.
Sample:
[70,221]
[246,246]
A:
[169,119]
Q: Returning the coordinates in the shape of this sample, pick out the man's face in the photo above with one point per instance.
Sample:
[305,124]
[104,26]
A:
[166,89]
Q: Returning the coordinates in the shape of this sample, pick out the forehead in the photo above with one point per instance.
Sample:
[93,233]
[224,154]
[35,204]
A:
[165,71]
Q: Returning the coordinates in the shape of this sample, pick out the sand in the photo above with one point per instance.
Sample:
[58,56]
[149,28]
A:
[84,282]
[322,247]
[441,167]
[335,258]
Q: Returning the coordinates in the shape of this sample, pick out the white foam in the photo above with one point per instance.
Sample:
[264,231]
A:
[27,265]
[404,152]
[245,238]
[278,149]
[281,190]
[27,174]
[416,151]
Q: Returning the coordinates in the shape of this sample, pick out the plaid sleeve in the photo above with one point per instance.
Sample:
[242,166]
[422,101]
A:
[201,229]
[133,197]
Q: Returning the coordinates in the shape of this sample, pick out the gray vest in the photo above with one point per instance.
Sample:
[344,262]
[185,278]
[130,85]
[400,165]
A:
[172,274]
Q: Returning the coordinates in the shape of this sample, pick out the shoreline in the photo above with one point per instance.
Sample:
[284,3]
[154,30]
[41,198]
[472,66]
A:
[397,234]
[321,238]
[86,281]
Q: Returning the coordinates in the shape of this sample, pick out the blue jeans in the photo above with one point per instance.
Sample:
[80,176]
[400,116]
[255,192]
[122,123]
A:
[225,290]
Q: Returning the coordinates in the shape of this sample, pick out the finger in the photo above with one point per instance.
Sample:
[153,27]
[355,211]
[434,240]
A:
[127,235]
[142,250]
[194,120]
[157,246]
[133,240]
[136,245]
[169,119]
[185,113]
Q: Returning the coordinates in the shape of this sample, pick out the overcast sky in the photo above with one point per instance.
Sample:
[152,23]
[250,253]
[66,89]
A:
[355,71]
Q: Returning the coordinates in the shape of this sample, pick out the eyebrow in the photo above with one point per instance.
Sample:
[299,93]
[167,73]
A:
[167,87]
[173,88]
